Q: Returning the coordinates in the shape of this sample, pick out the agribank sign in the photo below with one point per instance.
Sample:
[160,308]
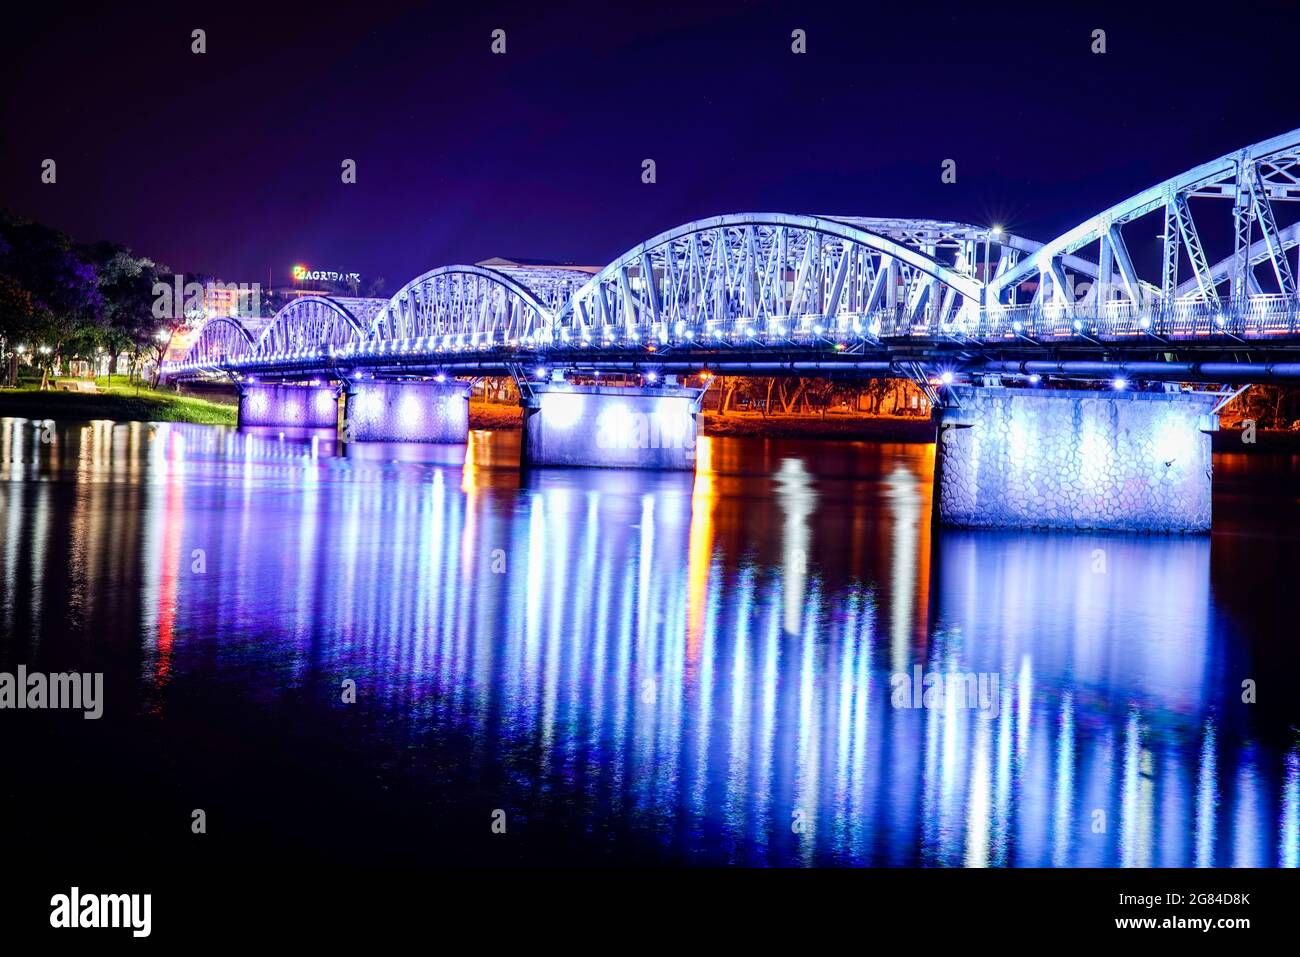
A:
[302,273]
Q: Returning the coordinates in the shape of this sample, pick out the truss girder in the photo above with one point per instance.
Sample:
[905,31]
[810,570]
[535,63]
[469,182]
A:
[764,271]
[1272,242]
[312,323]
[1259,252]
[467,304]
[221,340]
[1253,179]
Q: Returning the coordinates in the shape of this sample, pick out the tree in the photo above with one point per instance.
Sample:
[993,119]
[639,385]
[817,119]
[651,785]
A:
[821,390]
[62,283]
[126,284]
[754,389]
[17,312]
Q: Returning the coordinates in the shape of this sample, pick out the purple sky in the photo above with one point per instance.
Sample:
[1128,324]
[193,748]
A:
[229,163]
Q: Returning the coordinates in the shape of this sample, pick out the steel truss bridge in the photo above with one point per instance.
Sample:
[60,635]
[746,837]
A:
[1134,291]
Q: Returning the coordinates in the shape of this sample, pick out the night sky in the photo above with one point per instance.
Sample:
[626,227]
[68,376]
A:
[228,163]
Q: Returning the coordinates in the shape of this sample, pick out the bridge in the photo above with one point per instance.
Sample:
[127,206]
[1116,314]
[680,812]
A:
[984,319]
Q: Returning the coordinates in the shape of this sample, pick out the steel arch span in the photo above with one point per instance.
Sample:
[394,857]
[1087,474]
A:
[221,341]
[1231,202]
[474,306]
[317,323]
[774,273]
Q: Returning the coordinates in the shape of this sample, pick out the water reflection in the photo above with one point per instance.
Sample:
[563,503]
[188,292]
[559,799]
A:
[706,658]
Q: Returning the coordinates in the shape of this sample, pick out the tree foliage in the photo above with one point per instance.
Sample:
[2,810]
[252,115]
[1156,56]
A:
[62,300]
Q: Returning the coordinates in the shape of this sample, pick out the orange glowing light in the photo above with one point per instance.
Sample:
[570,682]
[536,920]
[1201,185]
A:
[700,547]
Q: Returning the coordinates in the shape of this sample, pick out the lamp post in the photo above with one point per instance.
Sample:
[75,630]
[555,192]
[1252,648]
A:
[45,368]
[18,356]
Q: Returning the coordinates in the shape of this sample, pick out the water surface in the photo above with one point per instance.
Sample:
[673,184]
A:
[633,667]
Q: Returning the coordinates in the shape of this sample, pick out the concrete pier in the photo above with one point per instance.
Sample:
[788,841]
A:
[610,427]
[277,404]
[407,411]
[1075,459]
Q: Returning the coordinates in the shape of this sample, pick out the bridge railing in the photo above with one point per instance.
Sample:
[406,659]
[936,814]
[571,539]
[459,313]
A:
[1256,317]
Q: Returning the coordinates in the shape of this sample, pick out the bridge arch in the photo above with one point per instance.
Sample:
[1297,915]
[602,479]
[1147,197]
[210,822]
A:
[220,341]
[778,271]
[316,323]
[1254,179]
[468,305]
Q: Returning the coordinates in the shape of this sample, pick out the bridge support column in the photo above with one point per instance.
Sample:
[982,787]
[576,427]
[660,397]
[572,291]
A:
[282,404]
[1074,459]
[610,427]
[407,411]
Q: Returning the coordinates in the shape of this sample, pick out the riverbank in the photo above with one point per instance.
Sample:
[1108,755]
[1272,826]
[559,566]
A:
[121,401]
[1266,440]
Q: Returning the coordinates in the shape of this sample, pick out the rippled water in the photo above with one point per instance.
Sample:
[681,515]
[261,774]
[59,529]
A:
[633,667]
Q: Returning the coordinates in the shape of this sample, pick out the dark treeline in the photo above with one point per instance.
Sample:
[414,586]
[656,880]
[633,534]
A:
[62,300]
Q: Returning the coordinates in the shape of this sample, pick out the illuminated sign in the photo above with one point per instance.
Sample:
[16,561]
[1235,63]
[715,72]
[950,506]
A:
[302,273]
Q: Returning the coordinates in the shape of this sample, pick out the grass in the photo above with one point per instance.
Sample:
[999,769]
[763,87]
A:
[120,400]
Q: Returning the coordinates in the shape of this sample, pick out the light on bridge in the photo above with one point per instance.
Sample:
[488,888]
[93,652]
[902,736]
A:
[1119,383]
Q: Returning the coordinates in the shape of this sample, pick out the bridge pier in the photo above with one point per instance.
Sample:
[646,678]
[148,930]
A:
[1074,459]
[407,411]
[610,426]
[284,404]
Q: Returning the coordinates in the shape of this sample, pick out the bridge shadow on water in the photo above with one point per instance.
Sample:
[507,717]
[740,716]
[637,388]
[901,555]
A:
[730,665]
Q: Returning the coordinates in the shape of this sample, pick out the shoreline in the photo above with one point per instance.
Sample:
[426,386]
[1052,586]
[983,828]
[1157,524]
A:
[166,407]
[120,405]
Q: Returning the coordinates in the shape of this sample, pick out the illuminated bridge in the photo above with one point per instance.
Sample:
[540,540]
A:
[985,320]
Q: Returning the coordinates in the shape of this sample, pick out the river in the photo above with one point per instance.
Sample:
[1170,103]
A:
[407,655]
